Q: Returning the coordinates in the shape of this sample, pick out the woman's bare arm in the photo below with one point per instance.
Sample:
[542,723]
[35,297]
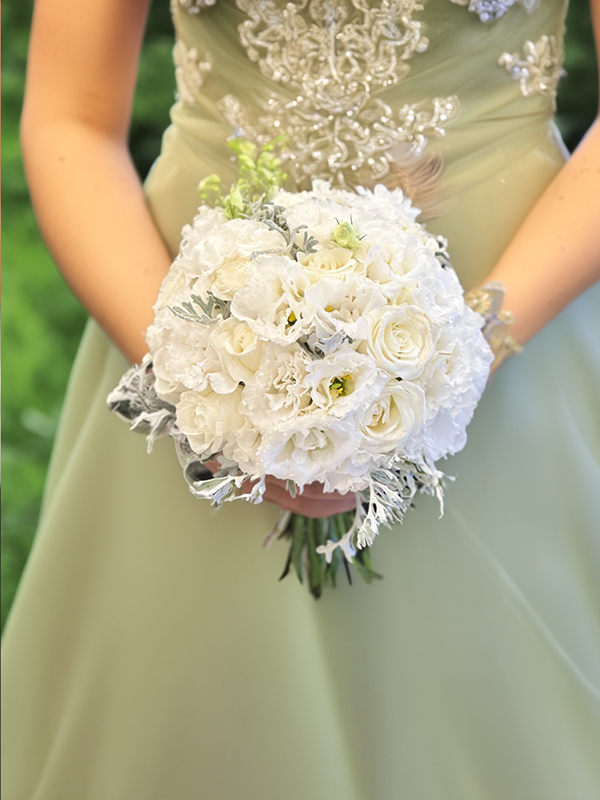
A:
[555,254]
[86,194]
[87,197]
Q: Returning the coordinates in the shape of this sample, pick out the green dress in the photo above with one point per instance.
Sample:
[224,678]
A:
[152,654]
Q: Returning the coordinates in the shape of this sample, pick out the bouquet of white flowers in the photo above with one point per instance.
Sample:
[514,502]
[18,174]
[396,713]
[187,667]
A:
[312,336]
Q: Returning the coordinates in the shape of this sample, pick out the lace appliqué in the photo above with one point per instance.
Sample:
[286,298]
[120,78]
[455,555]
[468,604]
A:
[489,10]
[538,70]
[189,72]
[333,59]
[196,6]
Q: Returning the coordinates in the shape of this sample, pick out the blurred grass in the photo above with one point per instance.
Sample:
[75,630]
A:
[42,323]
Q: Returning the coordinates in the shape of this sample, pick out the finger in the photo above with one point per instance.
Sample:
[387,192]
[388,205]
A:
[325,506]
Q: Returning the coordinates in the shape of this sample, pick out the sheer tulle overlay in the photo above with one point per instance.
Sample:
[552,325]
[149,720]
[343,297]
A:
[151,652]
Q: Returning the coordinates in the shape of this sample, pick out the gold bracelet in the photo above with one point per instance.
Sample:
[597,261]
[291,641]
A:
[487,301]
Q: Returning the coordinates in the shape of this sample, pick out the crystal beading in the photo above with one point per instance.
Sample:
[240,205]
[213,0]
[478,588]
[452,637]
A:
[538,70]
[489,10]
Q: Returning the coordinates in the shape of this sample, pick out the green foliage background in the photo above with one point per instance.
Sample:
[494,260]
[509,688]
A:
[42,322]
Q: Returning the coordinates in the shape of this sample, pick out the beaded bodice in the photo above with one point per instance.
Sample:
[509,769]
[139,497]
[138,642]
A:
[365,91]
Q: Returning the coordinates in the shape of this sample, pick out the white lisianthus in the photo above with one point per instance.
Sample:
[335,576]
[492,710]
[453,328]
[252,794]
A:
[308,451]
[390,262]
[334,306]
[401,340]
[272,300]
[343,383]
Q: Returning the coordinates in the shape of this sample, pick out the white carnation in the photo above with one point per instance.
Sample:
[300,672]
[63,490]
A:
[222,257]
[209,420]
[278,392]
[179,354]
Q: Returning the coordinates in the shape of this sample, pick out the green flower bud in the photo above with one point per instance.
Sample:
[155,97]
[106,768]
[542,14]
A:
[346,235]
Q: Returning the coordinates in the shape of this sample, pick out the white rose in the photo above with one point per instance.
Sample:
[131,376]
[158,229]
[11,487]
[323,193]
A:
[401,340]
[330,261]
[174,288]
[229,277]
[237,350]
[393,417]
[209,419]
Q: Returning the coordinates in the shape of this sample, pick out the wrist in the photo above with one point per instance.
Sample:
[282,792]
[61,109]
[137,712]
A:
[487,301]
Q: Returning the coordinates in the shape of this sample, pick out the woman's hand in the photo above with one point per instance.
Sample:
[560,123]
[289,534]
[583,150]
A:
[313,502]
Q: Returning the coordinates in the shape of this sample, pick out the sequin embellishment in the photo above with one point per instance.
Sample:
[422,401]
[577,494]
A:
[538,70]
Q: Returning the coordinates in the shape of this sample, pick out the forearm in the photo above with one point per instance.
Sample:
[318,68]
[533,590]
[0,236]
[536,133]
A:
[555,254]
[91,211]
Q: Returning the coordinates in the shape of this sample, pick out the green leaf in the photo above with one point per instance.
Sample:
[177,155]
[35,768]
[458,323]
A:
[298,534]
[315,560]
[210,185]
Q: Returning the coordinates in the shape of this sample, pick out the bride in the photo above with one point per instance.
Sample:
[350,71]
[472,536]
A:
[151,652]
